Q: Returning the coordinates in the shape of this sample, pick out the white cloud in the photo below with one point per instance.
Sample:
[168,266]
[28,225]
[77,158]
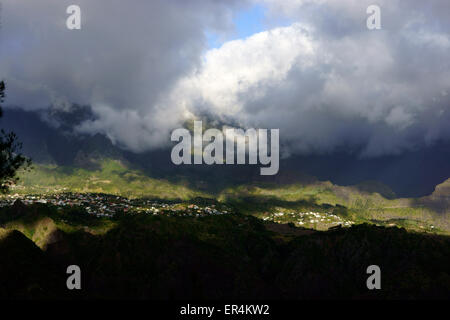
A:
[246,67]
[377,92]
[326,81]
[124,60]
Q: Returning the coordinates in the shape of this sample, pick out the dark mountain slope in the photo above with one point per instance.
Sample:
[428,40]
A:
[25,271]
[223,257]
[411,174]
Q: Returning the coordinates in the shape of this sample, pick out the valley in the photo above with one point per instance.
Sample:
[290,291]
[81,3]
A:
[286,203]
[197,251]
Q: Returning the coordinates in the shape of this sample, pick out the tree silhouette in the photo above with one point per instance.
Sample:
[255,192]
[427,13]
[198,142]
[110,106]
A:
[10,157]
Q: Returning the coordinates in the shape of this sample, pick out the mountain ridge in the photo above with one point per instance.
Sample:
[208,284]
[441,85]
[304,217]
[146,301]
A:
[49,143]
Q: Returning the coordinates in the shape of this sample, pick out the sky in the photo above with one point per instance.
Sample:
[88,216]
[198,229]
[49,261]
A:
[246,22]
[310,68]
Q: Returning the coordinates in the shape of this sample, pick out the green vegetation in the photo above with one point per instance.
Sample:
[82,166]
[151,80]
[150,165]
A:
[11,158]
[369,202]
[234,256]
[112,177]
[38,222]
[348,203]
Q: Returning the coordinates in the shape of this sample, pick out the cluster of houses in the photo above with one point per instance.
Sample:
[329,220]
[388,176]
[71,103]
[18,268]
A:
[308,219]
[177,209]
[104,205]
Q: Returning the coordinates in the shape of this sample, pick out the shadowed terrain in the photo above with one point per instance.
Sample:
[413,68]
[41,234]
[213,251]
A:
[139,256]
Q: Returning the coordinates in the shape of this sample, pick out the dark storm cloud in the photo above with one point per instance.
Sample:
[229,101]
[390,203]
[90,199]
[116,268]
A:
[123,61]
[330,83]
[326,81]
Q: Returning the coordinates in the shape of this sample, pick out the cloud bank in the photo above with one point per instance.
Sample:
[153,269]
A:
[326,81]
[124,61]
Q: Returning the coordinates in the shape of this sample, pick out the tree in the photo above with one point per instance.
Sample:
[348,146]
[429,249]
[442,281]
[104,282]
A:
[10,157]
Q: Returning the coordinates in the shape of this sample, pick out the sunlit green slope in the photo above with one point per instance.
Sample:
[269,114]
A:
[112,177]
[369,202]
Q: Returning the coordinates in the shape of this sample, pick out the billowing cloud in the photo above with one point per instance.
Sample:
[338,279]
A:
[332,85]
[326,81]
[124,60]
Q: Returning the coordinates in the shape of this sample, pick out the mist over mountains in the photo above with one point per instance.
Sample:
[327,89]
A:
[351,104]
[312,69]
[347,101]
[49,137]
